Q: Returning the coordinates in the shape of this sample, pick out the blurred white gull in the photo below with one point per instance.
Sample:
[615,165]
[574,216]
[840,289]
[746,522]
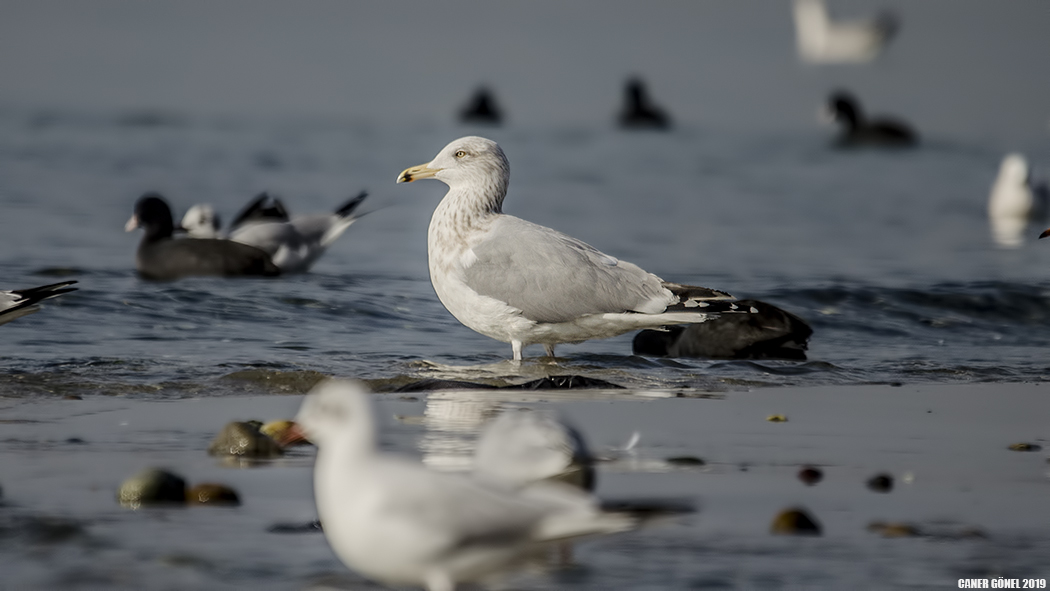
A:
[1014,202]
[393,520]
[821,40]
[521,446]
[296,244]
[23,302]
[201,221]
[522,283]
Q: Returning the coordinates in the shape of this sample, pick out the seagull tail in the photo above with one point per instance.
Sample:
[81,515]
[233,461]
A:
[346,217]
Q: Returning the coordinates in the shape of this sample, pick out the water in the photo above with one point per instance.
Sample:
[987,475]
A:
[886,254]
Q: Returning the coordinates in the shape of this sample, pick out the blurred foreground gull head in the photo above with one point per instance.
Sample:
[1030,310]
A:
[17,303]
[522,283]
[162,257]
[1014,202]
[821,40]
[520,447]
[393,520]
[857,130]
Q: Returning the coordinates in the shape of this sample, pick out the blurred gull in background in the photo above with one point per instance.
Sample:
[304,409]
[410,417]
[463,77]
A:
[522,283]
[296,244]
[858,130]
[395,521]
[821,40]
[161,256]
[201,221]
[23,302]
[1014,202]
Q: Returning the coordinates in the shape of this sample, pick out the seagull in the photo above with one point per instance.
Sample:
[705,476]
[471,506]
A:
[395,521]
[163,257]
[522,283]
[1014,201]
[17,303]
[639,111]
[823,41]
[858,130]
[520,447]
[296,244]
[201,221]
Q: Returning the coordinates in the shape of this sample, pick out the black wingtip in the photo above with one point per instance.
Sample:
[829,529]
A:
[348,208]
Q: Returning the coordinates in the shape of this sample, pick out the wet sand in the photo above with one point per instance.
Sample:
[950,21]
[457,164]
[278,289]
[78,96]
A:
[963,504]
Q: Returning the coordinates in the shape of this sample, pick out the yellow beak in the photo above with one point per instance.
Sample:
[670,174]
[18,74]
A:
[417,172]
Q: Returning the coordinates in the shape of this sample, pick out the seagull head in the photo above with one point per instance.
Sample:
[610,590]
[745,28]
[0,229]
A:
[201,221]
[468,161]
[336,409]
[1014,169]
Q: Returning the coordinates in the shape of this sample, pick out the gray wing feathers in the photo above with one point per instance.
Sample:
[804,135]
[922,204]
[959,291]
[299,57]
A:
[552,277]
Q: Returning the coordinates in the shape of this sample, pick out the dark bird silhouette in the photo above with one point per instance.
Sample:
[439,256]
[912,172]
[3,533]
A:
[767,333]
[162,257]
[482,109]
[639,111]
[857,130]
[23,302]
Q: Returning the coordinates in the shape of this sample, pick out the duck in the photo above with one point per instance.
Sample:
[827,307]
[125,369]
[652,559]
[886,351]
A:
[163,257]
[858,131]
[820,40]
[639,111]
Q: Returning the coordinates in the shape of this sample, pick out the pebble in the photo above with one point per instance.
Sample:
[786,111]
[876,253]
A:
[810,475]
[243,439]
[777,419]
[1025,447]
[795,522]
[152,486]
[881,483]
[213,494]
[685,461]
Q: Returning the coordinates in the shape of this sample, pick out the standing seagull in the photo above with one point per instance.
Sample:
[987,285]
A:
[522,283]
[395,521]
[23,302]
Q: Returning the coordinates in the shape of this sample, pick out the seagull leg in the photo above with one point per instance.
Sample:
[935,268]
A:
[516,346]
[550,350]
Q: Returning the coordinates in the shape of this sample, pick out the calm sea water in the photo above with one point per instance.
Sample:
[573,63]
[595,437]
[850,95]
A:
[886,254]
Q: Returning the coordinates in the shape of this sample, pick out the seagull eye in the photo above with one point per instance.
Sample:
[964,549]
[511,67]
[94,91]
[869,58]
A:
[460,154]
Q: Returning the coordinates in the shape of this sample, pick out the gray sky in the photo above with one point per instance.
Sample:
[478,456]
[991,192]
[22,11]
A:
[959,67]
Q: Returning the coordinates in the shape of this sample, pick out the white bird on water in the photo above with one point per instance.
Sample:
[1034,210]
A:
[522,283]
[1014,202]
[393,520]
[821,40]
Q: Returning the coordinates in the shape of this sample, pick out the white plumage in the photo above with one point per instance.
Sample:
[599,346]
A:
[395,521]
[522,283]
[824,41]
